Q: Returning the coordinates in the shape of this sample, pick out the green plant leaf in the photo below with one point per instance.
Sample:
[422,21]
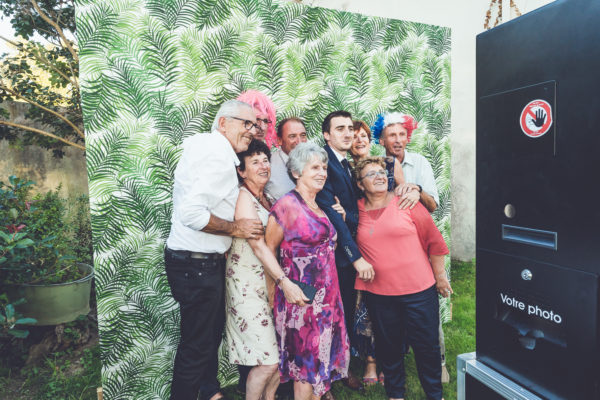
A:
[23,243]
[25,321]
[10,312]
[18,333]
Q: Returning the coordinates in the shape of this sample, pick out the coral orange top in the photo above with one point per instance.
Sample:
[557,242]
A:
[398,244]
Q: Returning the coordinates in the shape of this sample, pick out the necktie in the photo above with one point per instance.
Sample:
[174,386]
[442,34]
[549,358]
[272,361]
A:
[346,166]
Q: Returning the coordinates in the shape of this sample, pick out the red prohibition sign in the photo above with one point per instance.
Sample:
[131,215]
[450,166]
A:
[536,118]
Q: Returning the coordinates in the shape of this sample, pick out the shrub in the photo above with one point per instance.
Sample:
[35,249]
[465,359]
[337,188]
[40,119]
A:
[40,242]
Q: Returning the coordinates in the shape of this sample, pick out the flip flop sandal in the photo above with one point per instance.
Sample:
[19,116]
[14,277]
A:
[370,381]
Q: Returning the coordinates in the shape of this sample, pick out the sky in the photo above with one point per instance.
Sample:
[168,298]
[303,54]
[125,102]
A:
[7,32]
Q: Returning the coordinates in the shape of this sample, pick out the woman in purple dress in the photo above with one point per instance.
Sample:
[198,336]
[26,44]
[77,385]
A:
[312,338]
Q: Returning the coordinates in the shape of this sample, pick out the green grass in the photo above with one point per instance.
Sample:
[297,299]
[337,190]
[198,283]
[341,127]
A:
[64,375]
[76,376]
[460,338]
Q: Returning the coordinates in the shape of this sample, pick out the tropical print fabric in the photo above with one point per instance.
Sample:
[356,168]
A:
[153,72]
[313,343]
[249,331]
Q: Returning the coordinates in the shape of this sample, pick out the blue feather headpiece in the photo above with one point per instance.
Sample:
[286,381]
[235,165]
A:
[377,128]
[391,118]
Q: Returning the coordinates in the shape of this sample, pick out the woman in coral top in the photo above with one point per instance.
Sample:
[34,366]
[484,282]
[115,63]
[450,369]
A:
[407,252]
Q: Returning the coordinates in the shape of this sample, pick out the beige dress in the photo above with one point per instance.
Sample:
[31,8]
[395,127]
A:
[249,330]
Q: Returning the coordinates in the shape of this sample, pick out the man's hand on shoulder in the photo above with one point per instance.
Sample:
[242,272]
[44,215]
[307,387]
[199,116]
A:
[247,228]
[364,269]
[409,194]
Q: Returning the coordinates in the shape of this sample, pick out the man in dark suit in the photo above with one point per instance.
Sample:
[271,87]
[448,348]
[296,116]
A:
[340,186]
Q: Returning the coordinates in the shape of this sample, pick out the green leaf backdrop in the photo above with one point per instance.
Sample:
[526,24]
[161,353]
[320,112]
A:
[155,71]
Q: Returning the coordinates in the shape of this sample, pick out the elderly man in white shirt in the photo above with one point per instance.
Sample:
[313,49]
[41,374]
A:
[204,197]
[290,132]
[420,184]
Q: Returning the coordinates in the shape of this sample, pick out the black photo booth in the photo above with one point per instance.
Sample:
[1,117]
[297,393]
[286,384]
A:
[538,217]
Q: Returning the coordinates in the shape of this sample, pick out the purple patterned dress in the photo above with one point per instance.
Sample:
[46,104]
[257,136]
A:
[313,343]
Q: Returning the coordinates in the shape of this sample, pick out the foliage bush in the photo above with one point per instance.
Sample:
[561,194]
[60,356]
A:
[42,237]
[10,319]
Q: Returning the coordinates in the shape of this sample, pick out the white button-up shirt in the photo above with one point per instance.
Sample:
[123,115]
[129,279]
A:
[205,183]
[417,170]
[280,182]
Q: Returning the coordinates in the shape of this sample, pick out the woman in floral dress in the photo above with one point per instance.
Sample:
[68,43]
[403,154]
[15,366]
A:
[312,338]
[249,331]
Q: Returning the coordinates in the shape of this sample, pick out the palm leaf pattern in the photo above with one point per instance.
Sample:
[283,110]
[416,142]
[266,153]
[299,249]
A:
[154,72]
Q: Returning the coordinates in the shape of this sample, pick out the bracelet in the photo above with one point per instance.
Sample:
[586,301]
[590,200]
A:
[281,278]
[444,275]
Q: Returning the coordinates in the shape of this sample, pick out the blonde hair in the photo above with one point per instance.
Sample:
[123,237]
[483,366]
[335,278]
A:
[360,165]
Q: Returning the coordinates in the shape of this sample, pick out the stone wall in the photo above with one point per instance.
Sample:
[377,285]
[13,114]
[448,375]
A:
[38,164]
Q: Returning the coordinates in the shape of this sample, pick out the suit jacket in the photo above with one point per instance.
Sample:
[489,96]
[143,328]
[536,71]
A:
[341,185]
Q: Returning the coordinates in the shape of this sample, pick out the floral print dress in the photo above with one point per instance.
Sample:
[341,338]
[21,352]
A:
[313,342]
[249,331]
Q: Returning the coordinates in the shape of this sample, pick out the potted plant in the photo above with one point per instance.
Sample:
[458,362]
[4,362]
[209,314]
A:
[39,258]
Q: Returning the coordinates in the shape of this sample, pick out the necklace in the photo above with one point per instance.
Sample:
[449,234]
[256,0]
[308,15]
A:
[313,206]
[261,199]
[376,214]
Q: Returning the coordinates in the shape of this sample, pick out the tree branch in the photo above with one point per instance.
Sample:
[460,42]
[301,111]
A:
[9,41]
[73,80]
[41,132]
[72,125]
[58,29]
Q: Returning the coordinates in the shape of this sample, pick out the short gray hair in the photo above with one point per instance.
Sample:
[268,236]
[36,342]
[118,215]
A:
[230,108]
[302,155]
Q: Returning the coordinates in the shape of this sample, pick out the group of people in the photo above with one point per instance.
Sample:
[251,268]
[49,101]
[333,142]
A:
[303,253]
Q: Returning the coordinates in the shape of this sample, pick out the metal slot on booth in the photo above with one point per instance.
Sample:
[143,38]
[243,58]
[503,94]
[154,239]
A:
[533,237]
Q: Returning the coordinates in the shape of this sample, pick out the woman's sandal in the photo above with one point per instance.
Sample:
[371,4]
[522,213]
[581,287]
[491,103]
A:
[369,381]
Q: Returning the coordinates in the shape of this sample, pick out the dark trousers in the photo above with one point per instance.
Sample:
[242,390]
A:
[198,285]
[346,278]
[415,318]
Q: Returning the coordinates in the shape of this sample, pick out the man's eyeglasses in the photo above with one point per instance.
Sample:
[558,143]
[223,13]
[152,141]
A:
[373,174]
[248,125]
[263,120]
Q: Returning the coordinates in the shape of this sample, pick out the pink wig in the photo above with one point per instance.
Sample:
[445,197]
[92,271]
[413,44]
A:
[262,104]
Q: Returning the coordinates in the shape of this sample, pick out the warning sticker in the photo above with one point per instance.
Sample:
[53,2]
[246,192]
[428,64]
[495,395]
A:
[536,118]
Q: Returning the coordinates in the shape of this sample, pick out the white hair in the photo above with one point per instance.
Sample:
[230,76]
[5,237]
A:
[394,118]
[301,155]
[230,108]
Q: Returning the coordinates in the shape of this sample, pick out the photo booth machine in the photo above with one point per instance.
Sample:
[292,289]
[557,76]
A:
[538,211]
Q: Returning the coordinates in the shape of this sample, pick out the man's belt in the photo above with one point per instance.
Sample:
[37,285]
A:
[184,254]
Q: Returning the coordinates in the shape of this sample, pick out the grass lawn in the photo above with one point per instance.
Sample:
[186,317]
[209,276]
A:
[75,375]
[460,338]
[65,375]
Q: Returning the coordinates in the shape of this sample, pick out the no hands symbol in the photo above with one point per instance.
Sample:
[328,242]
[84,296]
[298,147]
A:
[536,118]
